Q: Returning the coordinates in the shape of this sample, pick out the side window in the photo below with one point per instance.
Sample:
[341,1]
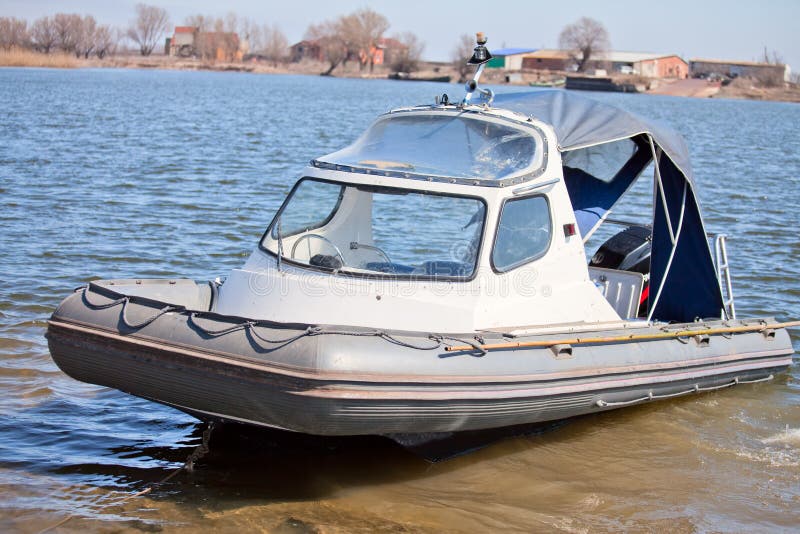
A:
[523,233]
[602,162]
[312,205]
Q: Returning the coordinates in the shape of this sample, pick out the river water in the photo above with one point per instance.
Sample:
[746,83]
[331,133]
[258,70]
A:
[121,173]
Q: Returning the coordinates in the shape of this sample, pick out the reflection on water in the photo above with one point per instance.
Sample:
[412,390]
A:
[105,176]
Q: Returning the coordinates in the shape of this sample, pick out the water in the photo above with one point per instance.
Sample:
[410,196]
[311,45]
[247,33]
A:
[117,173]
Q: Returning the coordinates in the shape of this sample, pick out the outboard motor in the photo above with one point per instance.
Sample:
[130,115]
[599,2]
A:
[628,250]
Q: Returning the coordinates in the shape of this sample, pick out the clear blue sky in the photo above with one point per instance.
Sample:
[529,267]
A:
[691,28]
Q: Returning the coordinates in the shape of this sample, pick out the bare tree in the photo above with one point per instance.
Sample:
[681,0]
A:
[43,34]
[105,41]
[772,59]
[583,39]
[86,37]
[364,30]
[348,30]
[250,35]
[231,22]
[13,33]
[771,77]
[203,23]
[407,58]
[67,28]
[332,44]
[274,44]
[461,54]
[151,24]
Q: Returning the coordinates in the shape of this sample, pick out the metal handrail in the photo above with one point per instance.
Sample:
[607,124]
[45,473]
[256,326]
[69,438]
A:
[724,276]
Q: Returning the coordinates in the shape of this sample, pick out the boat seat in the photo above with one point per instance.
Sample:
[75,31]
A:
[622,289]
[325,261]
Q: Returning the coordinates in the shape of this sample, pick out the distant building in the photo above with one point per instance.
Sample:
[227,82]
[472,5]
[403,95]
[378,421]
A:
[306,50]
[219,46]
[642,63]
[508,58]
[734,69]
[389,50]
[545,59]
[384,52]
[662,67]
[183,40]
[189,41]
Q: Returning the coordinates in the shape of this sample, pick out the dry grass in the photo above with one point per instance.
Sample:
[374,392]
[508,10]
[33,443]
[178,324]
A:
[753,90]
[17,57]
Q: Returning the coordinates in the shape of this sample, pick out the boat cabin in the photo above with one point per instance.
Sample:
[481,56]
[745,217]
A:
[475,216]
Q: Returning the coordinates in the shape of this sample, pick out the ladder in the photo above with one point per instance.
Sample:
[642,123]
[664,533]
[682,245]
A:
[724,276]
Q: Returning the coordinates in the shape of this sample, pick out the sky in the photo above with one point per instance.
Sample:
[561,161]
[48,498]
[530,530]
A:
[690,28]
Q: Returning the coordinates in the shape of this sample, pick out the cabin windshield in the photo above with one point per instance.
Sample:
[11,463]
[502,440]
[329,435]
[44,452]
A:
[444,144]
[378,230]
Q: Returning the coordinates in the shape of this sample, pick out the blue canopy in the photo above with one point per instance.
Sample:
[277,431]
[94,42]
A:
[683,278]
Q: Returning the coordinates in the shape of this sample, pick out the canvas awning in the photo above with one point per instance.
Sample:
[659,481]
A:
[683,279]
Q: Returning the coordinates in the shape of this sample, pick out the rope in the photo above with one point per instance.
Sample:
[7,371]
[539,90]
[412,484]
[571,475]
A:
[137,326]
[216,333]
[696,389]
[477,345]
[198,452]
[102,306]
[315,331]
[250,326]
[310,331]
[125,300]
[432,337]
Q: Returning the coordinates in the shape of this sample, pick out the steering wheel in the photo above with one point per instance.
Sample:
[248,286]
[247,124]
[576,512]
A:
[317,236]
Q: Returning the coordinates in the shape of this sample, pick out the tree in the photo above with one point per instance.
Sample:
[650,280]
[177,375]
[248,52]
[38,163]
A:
[67,28]
[332,44]
[772,77]
[363,31]
[44,35]
[147,30]
[584,39]
[250,35]
[202,22]
[774,59]
[407,59]
[13,32]
[461,54]
[274,44]
[105,41]
[86,37]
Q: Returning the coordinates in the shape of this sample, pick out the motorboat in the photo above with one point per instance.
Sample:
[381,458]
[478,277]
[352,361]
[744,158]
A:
[434,277]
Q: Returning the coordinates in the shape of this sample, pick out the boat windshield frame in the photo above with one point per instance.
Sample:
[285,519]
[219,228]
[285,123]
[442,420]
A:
[527,174]
[410,277]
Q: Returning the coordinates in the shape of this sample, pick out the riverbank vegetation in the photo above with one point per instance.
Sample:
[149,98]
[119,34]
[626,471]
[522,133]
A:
[18,57]
[357,44]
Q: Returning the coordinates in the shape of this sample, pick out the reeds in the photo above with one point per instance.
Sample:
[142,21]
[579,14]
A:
[19,57]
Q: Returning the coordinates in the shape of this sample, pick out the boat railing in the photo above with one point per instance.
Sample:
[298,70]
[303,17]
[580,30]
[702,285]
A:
[724,275]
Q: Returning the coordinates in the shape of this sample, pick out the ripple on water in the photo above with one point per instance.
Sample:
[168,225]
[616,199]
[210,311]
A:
[95,185]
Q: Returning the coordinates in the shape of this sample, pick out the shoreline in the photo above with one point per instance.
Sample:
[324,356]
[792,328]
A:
[740,89]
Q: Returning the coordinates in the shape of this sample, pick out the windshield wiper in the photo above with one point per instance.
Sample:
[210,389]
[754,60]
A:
[280,243]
